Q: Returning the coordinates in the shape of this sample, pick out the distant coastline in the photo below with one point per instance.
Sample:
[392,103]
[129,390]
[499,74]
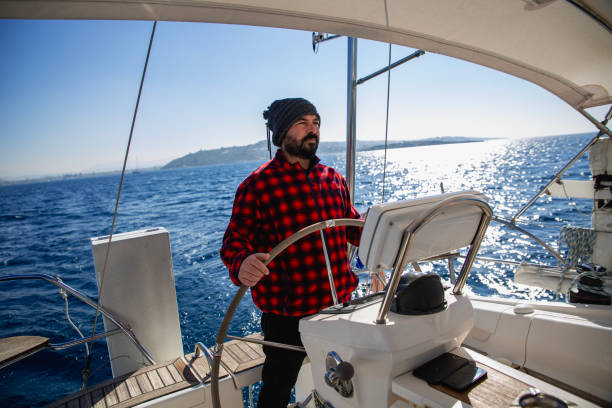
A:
[72,176]
[253,152]
[259,150]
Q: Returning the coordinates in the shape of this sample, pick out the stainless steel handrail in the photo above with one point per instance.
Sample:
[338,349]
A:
[485,219]
[268,343]
[68,344]
[55,280]
[202,349]
[419,223]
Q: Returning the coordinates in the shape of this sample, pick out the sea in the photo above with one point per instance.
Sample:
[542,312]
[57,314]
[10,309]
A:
[45,228]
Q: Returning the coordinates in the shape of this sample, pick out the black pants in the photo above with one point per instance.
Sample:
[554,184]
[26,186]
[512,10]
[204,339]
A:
[282,366]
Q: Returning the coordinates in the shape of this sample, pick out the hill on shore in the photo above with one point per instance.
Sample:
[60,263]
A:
[259,150]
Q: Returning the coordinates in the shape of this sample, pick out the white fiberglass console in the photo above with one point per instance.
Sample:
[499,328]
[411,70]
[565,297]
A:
[378,344]
[386,223]
[381,352]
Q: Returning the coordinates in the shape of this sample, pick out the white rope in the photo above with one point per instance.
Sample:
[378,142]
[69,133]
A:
[74,326]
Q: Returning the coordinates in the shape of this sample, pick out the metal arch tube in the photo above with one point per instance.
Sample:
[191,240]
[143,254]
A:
[351,115]
[57,282]
[485,219]
[385,305]
[397,63]
[415,226]
[599,125]
[330,276]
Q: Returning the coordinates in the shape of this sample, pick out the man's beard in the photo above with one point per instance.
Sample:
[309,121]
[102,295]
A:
[303,150]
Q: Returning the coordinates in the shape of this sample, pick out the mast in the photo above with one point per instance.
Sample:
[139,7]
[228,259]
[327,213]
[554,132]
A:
[351,114]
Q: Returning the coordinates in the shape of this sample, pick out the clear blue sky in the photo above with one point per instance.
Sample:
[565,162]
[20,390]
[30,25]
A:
[68,90]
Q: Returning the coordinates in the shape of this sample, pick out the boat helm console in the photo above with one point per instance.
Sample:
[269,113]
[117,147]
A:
[422,320]
[419,294]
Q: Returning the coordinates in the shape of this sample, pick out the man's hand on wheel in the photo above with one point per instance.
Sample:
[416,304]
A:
[253,269]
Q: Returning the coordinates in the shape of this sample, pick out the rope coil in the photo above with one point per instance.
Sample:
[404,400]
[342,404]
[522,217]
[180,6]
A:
[580,243]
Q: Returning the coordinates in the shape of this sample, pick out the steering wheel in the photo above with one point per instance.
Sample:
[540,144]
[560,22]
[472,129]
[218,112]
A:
[221,335]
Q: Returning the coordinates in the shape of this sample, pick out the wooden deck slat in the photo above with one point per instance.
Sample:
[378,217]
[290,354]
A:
[122,392]
[242,356]
[165,376]
[185,371]
[238,353]
[201,367]
[497,390]
[155,379]
[153,394]
[133,387]
[162,379]
[229,361]
[144,383]
[110,395]
[254,351]
[175,373]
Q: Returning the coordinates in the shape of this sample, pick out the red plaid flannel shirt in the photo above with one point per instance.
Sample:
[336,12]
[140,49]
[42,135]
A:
[276,200]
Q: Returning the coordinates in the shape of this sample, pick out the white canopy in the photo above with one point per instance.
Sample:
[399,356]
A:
[565,46]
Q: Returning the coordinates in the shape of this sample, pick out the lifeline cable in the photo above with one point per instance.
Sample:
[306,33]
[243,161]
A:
[86,370]
[386,124]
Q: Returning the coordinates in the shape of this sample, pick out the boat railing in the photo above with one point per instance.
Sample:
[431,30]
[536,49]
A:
[64,288]
[200,349]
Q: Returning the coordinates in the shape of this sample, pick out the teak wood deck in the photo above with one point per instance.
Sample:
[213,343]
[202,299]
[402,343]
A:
[497,390]
[502,387]
[165,378]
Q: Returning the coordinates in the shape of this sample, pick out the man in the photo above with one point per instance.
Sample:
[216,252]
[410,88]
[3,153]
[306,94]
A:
[291,191]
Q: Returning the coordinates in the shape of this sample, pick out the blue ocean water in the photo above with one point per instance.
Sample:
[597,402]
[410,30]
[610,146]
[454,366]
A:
[45,228]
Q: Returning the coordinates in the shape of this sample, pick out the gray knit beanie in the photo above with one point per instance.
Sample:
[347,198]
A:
[283,113]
